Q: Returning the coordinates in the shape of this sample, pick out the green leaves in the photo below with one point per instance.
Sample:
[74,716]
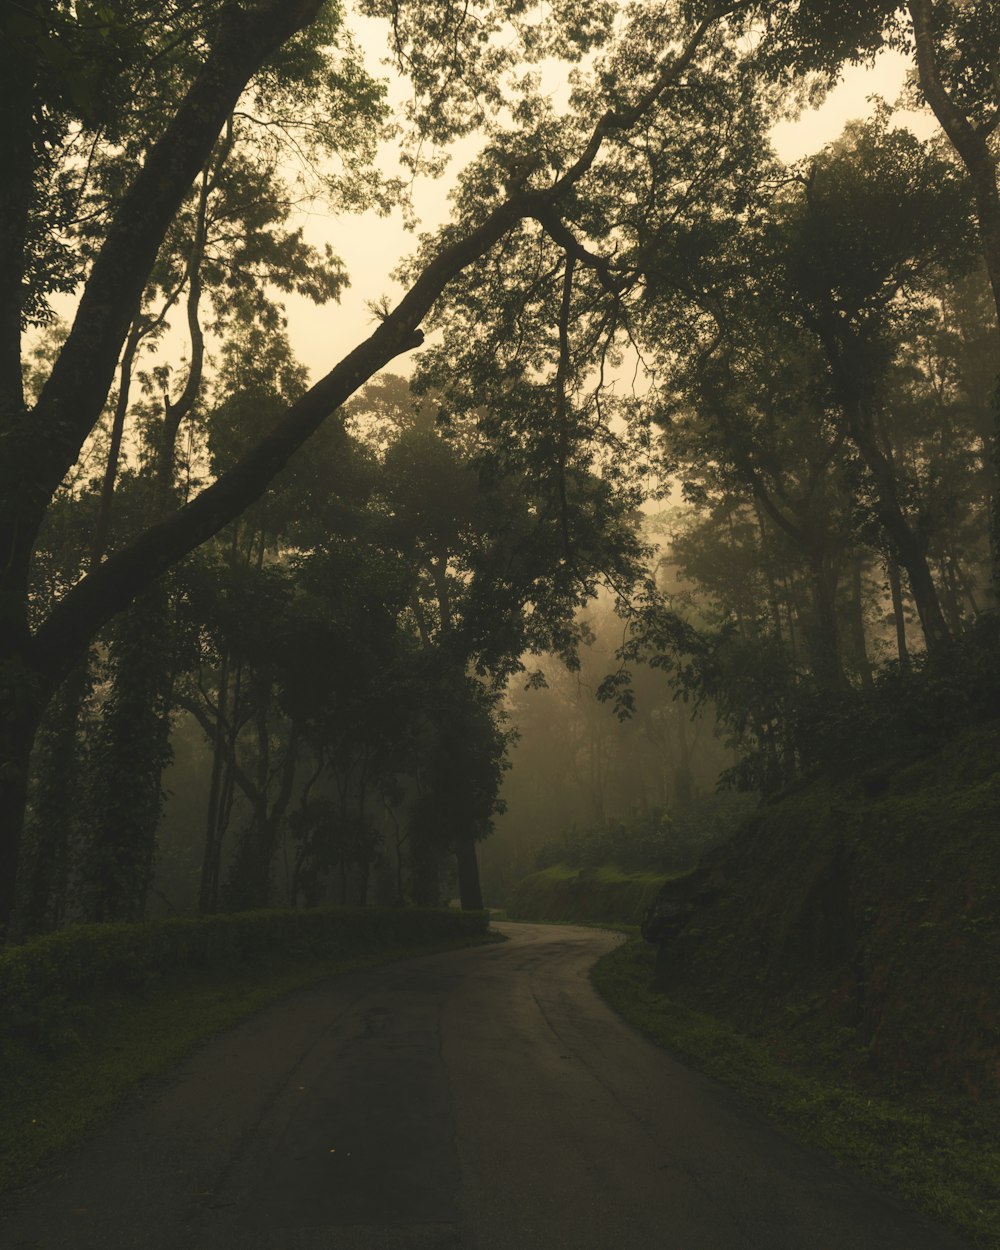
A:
[877,214]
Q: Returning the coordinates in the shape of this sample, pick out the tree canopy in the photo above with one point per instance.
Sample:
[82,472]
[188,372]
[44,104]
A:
[631,289]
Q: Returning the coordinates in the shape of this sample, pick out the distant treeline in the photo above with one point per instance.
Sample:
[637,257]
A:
[651,841]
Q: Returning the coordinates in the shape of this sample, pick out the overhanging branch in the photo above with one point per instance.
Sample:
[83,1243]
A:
[108,589]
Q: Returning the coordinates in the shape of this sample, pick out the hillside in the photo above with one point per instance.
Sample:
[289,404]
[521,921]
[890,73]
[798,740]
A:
[858,924]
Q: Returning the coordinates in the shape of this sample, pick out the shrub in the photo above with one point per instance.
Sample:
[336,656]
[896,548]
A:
[651,841]
[45,984]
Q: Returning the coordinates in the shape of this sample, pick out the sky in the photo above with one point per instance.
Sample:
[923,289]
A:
[372,246]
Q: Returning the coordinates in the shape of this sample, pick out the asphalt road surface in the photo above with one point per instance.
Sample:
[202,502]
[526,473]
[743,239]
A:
[483,1099]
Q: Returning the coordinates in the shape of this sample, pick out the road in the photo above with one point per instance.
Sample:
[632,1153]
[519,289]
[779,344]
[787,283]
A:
[483,1099]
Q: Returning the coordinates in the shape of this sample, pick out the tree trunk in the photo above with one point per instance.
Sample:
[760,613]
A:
[54,809]
[859,644]
[17,736]
[827,666]
[768,566]
[364,876]
[469,890]
[972,143]
[951,589]
[425,872]
[896,591]
[793,641]
[208,893]
[249,883]
[134,748]
[683,787]
[910,549]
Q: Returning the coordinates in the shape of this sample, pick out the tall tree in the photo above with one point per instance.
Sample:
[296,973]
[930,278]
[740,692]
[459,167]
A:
[224,50]
[880,219]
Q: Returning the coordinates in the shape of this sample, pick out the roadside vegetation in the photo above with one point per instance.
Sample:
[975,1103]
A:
[835,961]
[613,871]
[84,1029]
[942,1154]
[562,894]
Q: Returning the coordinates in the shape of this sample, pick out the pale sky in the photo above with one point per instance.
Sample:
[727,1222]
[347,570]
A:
[372,247]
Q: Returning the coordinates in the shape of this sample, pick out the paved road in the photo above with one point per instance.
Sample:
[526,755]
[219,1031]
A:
[484,1099]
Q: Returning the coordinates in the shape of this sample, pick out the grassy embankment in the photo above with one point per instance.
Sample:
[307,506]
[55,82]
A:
[941,1155]
[841,970]
[92,1054]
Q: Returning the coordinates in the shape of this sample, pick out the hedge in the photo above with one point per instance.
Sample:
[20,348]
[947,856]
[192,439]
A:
[45,981]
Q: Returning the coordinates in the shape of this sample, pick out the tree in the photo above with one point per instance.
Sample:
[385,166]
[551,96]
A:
[954,47]
[762,429]
[879,220]
[458,778]
[500,568]
[218,53]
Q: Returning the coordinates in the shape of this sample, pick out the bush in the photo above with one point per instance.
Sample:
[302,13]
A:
[45,984]
[651,841]
[585,896]
[913,710]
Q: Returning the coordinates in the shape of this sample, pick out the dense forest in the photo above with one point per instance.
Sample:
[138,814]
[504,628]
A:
[694,475]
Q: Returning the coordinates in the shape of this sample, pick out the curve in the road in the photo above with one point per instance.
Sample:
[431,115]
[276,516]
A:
[484,1099]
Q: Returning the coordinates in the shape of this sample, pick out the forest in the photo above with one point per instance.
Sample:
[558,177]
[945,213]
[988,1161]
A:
[674,466]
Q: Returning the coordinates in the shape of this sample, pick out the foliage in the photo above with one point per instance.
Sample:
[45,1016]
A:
[561,895]
[863,905]
[795,329]
[934,1152]
[653,840]
[43,982]
[127,757]
[912,710]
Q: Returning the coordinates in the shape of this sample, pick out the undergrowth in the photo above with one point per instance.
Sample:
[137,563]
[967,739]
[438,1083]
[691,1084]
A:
[941,1154]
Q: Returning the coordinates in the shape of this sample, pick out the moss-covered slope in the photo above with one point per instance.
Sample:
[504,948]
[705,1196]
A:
[858,924]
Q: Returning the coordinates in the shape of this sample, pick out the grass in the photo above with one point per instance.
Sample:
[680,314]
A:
[941,1155]
[49,1101]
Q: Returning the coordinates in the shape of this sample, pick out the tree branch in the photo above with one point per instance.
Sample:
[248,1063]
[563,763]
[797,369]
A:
[76,390]
[970,143]
[563,237]
[110,588]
